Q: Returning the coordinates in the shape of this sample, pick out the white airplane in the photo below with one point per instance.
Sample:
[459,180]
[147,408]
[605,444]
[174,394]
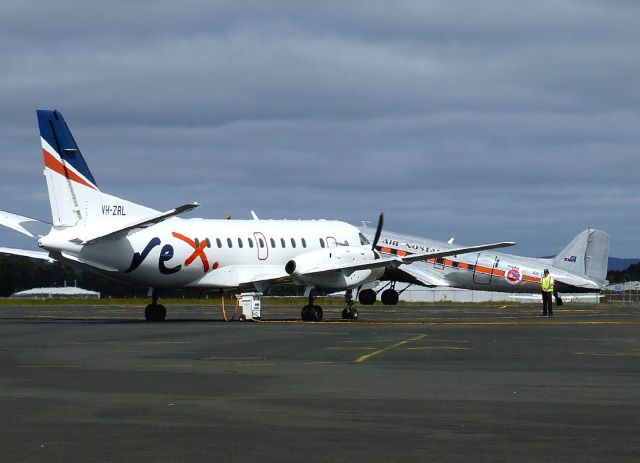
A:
[581,267]
[143,246]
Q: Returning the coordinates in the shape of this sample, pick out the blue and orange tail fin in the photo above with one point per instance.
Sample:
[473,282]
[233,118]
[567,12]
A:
[73,192]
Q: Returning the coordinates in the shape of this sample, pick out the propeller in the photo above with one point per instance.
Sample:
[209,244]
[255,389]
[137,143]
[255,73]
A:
[378,231]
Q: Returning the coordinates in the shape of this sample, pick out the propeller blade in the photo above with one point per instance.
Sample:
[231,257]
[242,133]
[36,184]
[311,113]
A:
[378,231]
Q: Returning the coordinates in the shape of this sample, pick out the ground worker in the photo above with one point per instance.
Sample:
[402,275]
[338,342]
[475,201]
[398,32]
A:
[547,293]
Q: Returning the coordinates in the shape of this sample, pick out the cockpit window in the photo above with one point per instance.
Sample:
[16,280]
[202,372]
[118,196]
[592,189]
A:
[363,240]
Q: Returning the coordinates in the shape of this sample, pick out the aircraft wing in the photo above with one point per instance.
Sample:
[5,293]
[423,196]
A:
[455,251]
[25,225]
[25,253]
[421,275]
[141,223]
[239,276]
[397,261]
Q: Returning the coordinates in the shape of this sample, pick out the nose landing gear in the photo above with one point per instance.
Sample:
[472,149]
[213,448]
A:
[155,312]
[349,312]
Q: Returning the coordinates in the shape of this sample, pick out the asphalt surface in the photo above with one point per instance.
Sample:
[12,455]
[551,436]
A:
[428,383]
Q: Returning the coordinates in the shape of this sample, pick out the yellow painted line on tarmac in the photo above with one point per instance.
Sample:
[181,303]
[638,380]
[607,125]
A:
[243,364]
[609,354]
[167,365]
[352,348]
[385,349]
[66,318]
[440,348]
[164,342]
[48,366]
[455,323]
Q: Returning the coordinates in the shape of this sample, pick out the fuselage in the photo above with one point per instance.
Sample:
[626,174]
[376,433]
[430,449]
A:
[199,252]
[487,270]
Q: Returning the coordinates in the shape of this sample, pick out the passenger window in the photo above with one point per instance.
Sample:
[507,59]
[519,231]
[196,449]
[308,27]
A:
[304,243]
[273,242]
[363,240]
[250,242]
[261,243]
[218,242]
[321,243]
[229,243]
[293,243]
[239,242]
[283,242]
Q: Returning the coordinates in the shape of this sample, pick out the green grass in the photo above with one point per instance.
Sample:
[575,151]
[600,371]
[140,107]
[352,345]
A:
[266,302]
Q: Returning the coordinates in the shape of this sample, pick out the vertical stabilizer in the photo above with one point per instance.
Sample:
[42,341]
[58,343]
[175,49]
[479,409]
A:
[597,255]
[587,255]
[72,188]
[73,192]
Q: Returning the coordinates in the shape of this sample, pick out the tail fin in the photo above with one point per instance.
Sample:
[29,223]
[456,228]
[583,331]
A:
[73,192]
[587,254]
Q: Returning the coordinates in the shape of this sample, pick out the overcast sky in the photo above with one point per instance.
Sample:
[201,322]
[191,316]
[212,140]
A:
[483,120]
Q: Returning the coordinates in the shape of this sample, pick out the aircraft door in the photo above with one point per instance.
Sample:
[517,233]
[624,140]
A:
[485,268]
[261,246]
[331,242]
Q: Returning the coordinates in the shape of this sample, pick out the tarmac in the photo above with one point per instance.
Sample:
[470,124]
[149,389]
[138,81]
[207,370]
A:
[407,383]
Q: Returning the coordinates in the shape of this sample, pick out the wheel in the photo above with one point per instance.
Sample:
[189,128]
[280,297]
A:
[316,313]
[242,317]
[389,297]
[148,313]
[346,314]
[367,297]
[306,313]
[354,313]
[155,313]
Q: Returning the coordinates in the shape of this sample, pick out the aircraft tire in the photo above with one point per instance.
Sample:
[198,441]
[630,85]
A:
[155,313]
[367,297]
[345,314]
[389,297]
[162,313]
[148,313]
[306,313]
[316,313]
[353,313]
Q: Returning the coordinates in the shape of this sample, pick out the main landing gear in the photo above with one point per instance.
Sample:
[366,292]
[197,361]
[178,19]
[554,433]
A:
[311,312]
[388,297]
[349,312]
[155,312]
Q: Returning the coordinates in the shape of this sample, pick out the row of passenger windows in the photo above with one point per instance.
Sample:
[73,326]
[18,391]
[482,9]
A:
[261,243]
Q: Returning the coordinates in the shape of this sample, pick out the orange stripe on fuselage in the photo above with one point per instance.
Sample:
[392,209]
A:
[56,166]
[462,265]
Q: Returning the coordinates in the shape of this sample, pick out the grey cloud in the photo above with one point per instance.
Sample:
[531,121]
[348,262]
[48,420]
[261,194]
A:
[487,120]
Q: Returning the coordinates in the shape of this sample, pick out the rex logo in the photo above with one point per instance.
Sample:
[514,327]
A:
[167,253]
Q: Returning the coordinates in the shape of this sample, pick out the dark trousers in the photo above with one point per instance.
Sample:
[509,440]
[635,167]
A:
[547,307]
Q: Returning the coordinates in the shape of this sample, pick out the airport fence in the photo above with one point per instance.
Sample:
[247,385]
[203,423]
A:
[628,296]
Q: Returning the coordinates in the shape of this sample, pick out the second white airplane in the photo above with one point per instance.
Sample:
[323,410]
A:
[143,246]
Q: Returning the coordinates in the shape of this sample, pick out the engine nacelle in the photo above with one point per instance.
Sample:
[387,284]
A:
[302,266]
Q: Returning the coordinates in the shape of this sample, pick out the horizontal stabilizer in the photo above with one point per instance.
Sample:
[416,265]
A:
[140,223]
[25,253]
[31,227]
